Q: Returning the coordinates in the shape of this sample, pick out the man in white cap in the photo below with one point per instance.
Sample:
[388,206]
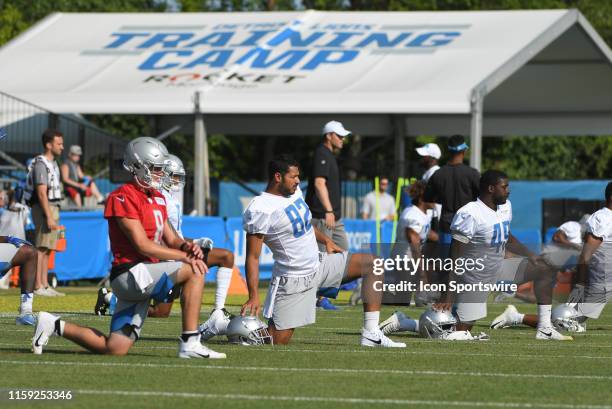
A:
[431,154]
[324,193]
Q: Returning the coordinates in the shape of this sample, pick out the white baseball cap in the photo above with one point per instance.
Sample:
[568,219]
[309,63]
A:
[430,149]
[76,150]
[335,127]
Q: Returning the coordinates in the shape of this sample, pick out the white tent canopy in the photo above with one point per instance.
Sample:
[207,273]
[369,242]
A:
[402,73]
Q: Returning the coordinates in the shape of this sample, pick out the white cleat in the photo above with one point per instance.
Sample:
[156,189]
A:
[509,318]
[376,338]
[55,293]
[45,328]
[391,324]
[44,292]
[552,334]
[194,349]
[216,324]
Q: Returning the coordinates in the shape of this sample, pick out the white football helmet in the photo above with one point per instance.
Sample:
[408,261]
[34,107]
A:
[175,174]
[248,330]
[565,317]
[145,159]
[436,324]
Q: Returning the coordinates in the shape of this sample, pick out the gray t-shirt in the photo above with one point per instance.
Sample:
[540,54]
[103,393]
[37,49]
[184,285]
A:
[39,174]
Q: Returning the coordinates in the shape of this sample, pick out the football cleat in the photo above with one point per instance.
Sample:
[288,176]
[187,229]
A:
[216,324]
[391,324]
[54,293]
[326,304]
[26,319]
[376,338]
[44,292]
[552,334]
[45,328]
[509,318]
[101,304]
[194,349]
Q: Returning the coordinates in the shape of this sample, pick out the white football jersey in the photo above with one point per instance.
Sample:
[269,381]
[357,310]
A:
[285,224]
[600,265]
[413,218]
[485,233]
[572,232]
[175,212]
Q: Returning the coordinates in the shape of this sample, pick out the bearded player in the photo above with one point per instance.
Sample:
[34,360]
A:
[481,232]
[280,218]
[137,223]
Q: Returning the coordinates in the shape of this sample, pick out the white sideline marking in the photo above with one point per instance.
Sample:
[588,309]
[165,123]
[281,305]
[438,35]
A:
[355,351]
[337,400]
[329,370]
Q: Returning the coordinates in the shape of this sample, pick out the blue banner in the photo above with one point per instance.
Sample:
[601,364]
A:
[87,252]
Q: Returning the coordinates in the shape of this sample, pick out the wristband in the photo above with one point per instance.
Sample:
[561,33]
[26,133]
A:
[329,211]
[181,248]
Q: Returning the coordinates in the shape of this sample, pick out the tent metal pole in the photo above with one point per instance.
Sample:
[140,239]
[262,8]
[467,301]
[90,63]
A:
[476,131]
[200,181]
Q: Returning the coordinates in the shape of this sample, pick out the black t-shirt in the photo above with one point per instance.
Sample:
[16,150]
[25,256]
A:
[453,186]
[324,165]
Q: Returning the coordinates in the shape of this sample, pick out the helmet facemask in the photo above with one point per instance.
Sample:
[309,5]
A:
[149,175]
[439,330]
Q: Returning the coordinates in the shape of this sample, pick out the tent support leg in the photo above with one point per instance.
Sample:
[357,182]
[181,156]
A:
[476,131]
[201,181]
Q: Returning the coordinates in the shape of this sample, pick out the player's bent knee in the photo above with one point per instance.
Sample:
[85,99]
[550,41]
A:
[120,342]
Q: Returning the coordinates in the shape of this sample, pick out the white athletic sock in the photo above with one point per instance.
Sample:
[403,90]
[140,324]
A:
[370,320]
[26,303]
[518,319]
[224,277]
[544,316]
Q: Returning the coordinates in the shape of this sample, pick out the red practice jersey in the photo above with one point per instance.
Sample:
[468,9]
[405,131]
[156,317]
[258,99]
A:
[131,202]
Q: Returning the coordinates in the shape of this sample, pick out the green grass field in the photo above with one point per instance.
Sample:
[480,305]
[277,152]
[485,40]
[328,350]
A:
[324,367]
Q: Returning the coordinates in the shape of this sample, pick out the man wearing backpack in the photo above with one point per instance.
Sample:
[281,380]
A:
[44,193]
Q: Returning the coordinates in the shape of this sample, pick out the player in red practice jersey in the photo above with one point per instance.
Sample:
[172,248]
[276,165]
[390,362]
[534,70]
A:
[137,224]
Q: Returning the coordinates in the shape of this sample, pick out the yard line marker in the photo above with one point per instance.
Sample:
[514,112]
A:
[353,351]
[317,370]
[444,403]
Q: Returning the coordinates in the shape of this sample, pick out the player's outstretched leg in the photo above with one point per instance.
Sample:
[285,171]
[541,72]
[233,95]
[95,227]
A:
[219,317]
[361,265]
[399,322]
[26,258]
[129,317]
[543,277]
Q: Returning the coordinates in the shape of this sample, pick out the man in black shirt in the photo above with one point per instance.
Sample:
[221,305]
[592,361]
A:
[453,185]
[323,195]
